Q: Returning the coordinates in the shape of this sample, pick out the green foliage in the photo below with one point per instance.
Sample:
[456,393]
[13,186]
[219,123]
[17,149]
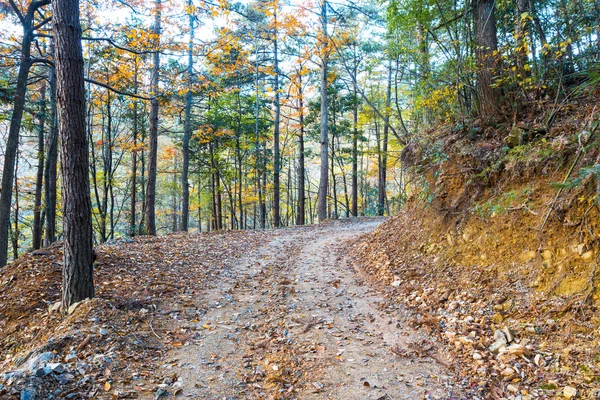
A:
[502,203]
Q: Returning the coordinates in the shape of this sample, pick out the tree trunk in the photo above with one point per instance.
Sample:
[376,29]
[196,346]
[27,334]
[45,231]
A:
[386,129]
[150,216]
[261,203]
[133,205]
[300,216]
[185,185]
[51,174]
[39,180]
[276,153]
[16,230]
[486,43]
[355,140]
[78,282]
[12,142]
[324,173]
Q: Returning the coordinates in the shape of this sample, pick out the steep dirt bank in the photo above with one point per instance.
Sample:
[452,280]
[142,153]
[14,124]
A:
[496,254]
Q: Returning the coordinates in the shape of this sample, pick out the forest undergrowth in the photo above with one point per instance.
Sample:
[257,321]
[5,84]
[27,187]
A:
[496,251]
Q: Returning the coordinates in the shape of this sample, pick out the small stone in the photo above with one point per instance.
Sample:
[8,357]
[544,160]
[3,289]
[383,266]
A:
[512,388]
[508,372]
[396,283]
[508,333]
[477,356]
[27,394]
[57,368]
[66,378]
[465,340]
[41,372]
[569,392]
[497,346]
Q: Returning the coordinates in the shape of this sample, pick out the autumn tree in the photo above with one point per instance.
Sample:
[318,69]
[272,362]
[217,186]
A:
[31,19]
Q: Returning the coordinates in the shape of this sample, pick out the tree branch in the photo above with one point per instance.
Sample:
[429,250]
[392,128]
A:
[17,11]
[104,85]
[112,89]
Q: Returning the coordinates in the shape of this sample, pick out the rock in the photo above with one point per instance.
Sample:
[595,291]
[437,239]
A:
[28,394]
[508,334]
[66,378]
[497,346]
[57,368]
[36,362]
[515,137]
[508,372]
[396,283]
[512,388]
[41,372]
[477,356]
[465,340]
[71,357]
[569,392]
[160,393]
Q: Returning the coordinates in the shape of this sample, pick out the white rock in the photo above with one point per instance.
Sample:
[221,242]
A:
[569,392]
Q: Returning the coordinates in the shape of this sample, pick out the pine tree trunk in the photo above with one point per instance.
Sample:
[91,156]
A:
[276,152]
[39,180]
[355,143]
[78,282]
[324,173]
[300,216]
[386,129]
[51,174]
[133,204]
[12,142]
[185,185]
[150,216]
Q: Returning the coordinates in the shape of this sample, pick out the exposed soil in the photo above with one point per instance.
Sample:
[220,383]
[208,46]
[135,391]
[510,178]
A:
[294,320]
[273,315]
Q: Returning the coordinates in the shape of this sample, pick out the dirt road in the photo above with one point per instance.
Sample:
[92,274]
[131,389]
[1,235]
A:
[295,320]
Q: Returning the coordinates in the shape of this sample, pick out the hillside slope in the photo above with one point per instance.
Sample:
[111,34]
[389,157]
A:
[495,252]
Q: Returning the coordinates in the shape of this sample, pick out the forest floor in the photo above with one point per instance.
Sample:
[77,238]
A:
[274,314]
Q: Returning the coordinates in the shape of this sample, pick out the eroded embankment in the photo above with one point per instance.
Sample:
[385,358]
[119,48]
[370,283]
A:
[496,252]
